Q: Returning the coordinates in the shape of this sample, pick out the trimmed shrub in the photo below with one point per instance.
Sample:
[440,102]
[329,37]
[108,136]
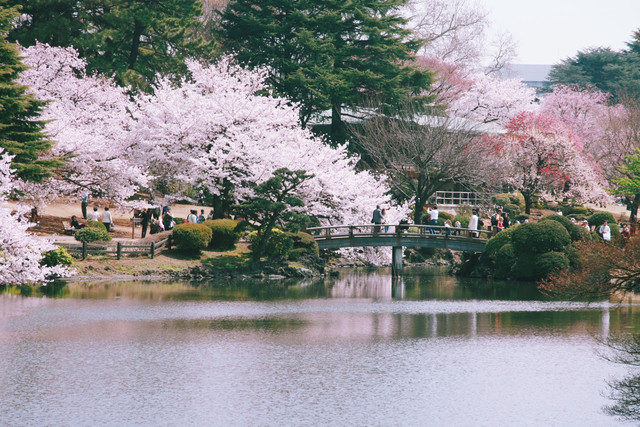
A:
[547,263]
[504,259]
[579,210]
[501,199]
[496,242]
[302,240]
[223,233]
[96,224]
[521,217]
[541,237]
[178,220]
[575,231]
[523,268]
[55,257]
[296,254]
[92,234]
[504,199]
[511,209]
[598,219]
[191,237]
[278,246]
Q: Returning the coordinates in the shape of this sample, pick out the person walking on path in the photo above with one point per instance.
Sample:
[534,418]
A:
[605,231]
[377,219]
[107,220]
[95,215]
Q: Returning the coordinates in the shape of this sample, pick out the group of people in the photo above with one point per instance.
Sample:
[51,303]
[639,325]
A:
[194,218]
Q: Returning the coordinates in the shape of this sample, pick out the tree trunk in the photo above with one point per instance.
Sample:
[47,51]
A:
[528,201]
[633,207]
[338,135]
[135,43]
[419,209]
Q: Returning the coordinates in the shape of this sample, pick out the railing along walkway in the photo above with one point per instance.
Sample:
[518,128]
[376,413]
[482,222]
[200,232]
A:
[429,236]
[119,249]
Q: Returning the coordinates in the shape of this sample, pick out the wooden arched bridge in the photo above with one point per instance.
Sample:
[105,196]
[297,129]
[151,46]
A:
[399,235]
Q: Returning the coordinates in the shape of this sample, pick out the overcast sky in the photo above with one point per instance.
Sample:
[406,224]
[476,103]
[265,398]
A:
[548,31]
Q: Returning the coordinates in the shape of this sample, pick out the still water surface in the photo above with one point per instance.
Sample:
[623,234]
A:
[357,349]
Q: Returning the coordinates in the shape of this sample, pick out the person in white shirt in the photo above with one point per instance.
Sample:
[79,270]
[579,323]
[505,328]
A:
[473,223]
[605,231]
[95,215]
[192,218]
[433,218]
[107,220]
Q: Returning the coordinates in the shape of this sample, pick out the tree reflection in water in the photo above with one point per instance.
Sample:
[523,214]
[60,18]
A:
[624,349]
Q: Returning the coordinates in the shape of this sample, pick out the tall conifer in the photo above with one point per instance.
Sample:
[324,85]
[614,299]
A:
[21,133]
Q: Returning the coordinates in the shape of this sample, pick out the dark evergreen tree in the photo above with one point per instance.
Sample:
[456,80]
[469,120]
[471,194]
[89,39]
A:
[326,54]
[133,39]
[21,133]
[272,205]
[617,73]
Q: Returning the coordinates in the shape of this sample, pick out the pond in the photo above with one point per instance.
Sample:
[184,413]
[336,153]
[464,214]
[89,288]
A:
[357,349]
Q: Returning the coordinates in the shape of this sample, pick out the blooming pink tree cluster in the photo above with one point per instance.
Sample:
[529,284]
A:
[216,129]
[490,99]
[20,251]
[91,121]
[545,158]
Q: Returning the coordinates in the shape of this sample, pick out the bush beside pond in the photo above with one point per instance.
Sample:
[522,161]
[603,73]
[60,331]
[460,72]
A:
[191,238]
[531,251]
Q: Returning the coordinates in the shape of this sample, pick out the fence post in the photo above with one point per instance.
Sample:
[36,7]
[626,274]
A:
[153,249]
[84,250]
[119,251]
[169,241]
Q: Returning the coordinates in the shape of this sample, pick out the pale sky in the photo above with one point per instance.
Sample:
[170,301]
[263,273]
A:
[548,31]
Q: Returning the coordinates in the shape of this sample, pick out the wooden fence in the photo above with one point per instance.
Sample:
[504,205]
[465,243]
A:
[119,249]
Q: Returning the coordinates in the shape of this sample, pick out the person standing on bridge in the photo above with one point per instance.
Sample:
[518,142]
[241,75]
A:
[433,218]
[473,223]
[377,219]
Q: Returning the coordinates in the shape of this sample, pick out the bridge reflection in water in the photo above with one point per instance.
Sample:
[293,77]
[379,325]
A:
[399,236]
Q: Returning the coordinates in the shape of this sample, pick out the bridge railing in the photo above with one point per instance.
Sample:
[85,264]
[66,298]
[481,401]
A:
[334,231]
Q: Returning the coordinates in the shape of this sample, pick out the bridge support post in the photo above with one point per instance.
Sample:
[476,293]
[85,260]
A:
[396,261]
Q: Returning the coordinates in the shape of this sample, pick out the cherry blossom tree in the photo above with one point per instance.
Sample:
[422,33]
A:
[20,251]
[490,99]
[545,158]
[90,119]
[215,130]
[455,31]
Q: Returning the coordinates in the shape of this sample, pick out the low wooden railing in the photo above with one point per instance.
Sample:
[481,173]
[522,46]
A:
[119,249]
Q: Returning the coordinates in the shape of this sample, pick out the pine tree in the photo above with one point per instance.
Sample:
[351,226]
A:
[326,54]
[21,133]
[135,40]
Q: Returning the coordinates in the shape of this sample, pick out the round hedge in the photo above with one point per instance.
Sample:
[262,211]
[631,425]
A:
[279,244]
[598,219]
[547,263]
[305,241]
[496,242]
[92,234]
[541,237]
[96,224]
[223,233]
[55,257]
[191,237]
[575,231]
[504,259]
